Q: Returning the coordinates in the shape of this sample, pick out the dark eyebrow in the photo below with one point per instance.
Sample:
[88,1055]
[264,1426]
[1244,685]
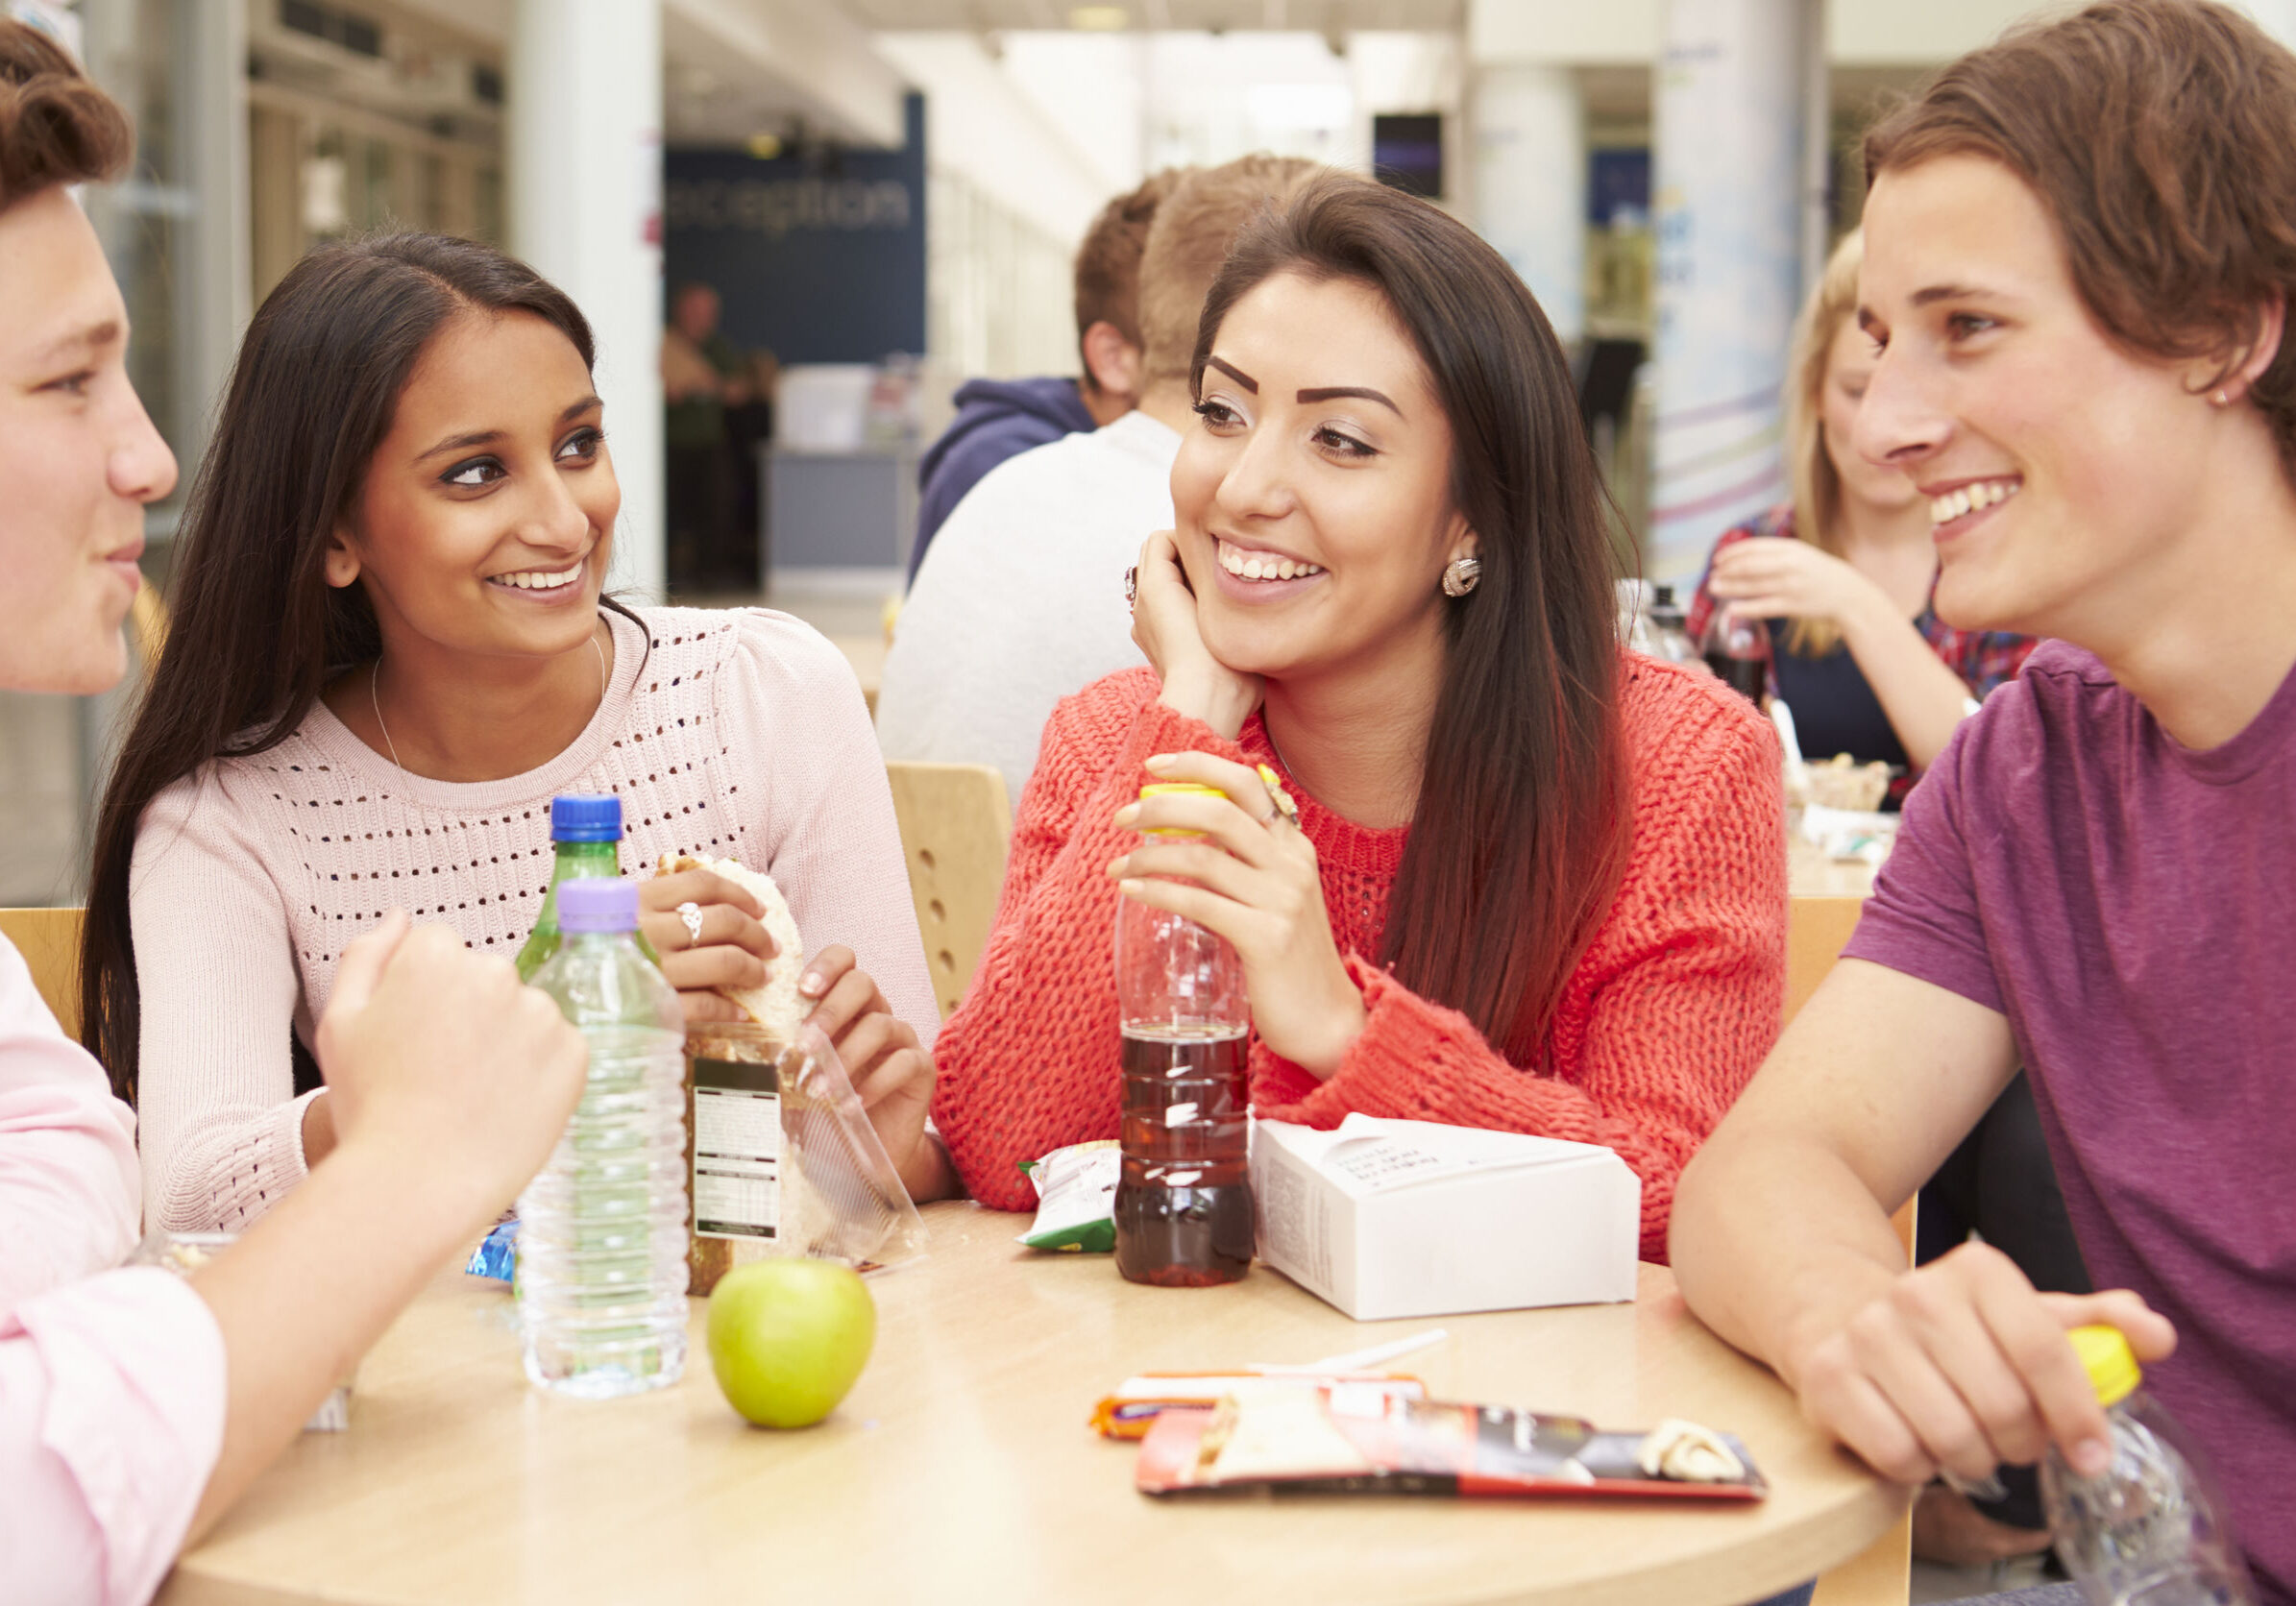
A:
[487,437]
[94,337]
[1333,393]
[1930,295]
[1235,373]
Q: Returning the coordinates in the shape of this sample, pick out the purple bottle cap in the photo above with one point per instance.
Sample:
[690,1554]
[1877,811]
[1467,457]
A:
[598,904]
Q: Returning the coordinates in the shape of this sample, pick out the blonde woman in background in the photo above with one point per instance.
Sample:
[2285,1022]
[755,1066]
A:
[1844,574]
[1844,571]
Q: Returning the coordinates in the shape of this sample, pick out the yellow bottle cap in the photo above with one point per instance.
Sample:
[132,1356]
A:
[2113,1369]
[1175,789]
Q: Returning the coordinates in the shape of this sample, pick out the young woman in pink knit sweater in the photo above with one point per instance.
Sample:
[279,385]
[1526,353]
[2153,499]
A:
[1535,882]
[389,651]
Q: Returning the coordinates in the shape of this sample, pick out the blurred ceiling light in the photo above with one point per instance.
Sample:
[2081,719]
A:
[764,146]
[1299,106]
[1099,19]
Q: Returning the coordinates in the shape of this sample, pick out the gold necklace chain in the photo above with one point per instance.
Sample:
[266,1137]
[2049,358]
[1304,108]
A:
[374,701]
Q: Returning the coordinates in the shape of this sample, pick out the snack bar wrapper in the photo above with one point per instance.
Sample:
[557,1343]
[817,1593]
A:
[1129,1409]
[1076,1192]
[496,1255]
[1347,1438]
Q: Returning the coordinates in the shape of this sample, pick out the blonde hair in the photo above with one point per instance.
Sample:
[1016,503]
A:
[1194,227]
[1810,470]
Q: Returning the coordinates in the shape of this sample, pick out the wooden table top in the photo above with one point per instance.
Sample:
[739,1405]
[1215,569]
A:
[961,1468]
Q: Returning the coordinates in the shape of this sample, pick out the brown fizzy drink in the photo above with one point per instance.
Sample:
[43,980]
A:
[1184,1198]
[1745,676]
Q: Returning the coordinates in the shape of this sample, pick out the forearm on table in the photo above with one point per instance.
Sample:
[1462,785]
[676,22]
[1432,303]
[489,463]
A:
[1922,698]
[1777,1243]
[307,1292]
[928,1173]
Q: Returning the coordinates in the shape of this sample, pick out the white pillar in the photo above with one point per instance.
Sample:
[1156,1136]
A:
[585,205]
[1729,171]
[1529,178]
[2277,17]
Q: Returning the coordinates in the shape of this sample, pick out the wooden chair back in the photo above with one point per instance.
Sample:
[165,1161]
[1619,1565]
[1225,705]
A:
[956,828]
[1816,929]
[49,939]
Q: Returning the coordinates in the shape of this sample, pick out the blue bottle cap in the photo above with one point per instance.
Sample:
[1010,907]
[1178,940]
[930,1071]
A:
[585,819]
[598,904]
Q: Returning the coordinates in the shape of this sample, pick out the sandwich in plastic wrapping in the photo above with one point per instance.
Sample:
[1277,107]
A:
[782,1161]
[780,1157]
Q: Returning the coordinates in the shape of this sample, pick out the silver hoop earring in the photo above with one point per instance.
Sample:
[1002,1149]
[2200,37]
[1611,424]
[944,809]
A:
[1463,576]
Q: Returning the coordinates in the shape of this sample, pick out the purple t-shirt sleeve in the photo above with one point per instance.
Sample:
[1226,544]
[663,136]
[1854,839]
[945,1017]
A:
[1923,919]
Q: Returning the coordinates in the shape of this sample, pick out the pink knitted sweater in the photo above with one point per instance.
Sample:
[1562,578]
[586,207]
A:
[1672,1007]
[740,732]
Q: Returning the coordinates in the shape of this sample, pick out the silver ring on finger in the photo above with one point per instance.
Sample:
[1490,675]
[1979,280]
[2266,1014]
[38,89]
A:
[1131,587]
[691,914]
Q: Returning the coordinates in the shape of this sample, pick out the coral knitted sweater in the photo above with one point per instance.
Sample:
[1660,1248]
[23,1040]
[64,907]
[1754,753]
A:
[1672,1006]
[737,734]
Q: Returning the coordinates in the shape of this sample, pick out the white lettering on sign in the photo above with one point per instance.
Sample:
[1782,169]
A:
[778,207]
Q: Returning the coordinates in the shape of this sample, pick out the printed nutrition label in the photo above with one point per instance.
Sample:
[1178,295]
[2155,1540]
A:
[737,1154]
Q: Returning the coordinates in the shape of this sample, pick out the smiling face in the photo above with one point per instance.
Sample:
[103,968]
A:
[2060,467]
[486,518]
[1313,497]
[77,454]
[1848,369]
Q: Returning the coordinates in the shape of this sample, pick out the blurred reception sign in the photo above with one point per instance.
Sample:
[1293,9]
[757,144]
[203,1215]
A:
[1729,134]
[820,254]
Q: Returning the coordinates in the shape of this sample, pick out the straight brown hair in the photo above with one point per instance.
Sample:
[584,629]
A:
[1520,832]
[56,126]
[255,631]
[2160,134]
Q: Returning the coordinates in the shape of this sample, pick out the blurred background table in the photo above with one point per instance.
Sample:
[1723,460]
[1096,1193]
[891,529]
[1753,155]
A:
[961,1468]
[1811,874]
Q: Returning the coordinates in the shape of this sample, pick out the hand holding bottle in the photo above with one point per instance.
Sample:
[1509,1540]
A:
[1960,1366]
[1254,882]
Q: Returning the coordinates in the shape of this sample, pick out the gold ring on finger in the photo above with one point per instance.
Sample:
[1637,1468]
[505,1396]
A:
[1278,796]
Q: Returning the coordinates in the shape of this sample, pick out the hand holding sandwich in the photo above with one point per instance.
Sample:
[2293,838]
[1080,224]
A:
[730,952]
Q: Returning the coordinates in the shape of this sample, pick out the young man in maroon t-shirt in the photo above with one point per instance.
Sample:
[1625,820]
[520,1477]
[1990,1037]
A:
[2080,255]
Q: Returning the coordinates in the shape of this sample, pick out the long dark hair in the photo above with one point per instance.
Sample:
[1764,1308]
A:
[255,629]
[1520,831]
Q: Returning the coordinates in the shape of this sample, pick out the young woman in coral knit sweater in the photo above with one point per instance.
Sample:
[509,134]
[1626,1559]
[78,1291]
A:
[1536,882]
[390,648]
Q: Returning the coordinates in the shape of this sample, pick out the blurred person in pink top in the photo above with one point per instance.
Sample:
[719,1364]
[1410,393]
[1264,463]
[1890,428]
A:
[136,1405]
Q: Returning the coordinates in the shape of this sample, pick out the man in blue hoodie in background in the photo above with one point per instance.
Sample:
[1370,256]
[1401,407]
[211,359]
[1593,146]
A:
[997,419]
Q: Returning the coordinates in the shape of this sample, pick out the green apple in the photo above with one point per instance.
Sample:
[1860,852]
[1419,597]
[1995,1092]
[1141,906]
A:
[787,1338]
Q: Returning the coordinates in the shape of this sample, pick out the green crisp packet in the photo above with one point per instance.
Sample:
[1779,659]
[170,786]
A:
[1076,1193]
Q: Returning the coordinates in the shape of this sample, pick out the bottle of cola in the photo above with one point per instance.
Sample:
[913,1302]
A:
[1183,1197]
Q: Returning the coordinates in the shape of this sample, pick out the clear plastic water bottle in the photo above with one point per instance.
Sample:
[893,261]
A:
[1184,1193]
[601,1272]
[2151,1529]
